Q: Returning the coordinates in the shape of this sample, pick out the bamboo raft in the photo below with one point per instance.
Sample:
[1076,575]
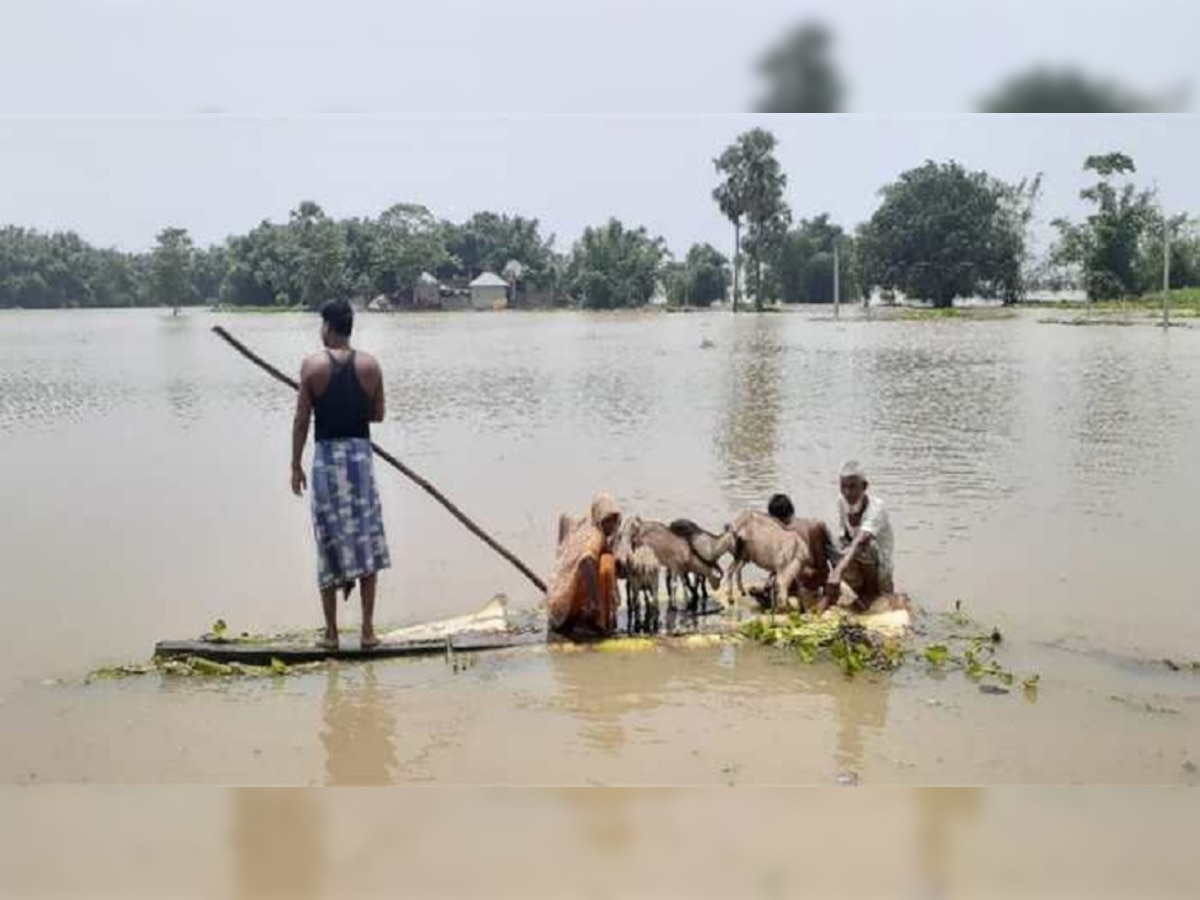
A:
[296,651]
[493,627]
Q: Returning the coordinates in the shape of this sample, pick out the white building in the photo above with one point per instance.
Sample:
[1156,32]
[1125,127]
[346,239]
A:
[489,291]
[427,292]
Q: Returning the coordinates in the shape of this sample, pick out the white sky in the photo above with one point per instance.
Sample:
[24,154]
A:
[124,116]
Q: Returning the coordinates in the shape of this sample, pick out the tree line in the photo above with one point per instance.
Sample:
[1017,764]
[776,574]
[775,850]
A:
[940,232]
[312,257]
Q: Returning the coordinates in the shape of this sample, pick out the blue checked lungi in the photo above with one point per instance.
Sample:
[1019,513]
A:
[347,516]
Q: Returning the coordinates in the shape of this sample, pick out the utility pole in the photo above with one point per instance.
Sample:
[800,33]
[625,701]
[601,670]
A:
[1166,321]
[737,258]
[837,278]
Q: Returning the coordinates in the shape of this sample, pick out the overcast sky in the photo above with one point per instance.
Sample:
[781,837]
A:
[121,117]
[610,56]
[120,180]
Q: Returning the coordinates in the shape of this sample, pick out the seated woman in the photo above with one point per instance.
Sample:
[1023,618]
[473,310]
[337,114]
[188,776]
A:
[582,600]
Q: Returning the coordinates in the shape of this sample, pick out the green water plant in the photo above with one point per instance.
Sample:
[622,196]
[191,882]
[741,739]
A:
[847,643]
[957,644]
[195,666]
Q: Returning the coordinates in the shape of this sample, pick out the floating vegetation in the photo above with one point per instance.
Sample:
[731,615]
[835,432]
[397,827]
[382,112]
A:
[218,633]
[195,666]
[962,646]
[853,647]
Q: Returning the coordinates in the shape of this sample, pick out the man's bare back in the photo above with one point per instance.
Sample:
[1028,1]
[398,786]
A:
[317,368]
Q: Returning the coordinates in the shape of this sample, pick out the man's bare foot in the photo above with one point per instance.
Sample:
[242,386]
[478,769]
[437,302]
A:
[328,641]
[369,640]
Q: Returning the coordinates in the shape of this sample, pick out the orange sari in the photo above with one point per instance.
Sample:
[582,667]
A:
[577,603]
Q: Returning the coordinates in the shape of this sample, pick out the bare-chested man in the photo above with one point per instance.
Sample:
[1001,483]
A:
[813,576]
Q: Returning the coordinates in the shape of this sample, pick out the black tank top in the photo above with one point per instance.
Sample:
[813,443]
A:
[343,410]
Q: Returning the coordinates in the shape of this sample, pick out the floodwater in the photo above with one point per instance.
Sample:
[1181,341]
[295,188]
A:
[1043,475]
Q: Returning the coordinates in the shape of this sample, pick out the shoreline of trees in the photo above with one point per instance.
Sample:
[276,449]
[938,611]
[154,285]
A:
[940,233]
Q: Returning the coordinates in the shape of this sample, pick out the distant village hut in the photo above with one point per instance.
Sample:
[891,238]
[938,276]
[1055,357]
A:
[427,292]
[489,291]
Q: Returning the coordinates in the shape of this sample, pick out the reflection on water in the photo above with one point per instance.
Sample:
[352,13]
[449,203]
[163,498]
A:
[178,346]
[748,438]
[860,709]
[622,699]
[941,421]
[358,728]
[1121,407]
[604,691]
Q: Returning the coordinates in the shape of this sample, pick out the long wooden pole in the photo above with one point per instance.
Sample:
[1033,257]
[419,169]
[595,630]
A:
[395,463]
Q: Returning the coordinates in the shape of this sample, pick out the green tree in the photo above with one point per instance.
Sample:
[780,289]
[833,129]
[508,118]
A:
[612,266]
[263,268]
[489,241]
[359,237]
[731,199]
[801,74]
[942,232]
[1184,245]
[1018,204]
[172,269]
[321,251]
[116,279]
[1106,246]
[807,259]
[700,280]
[752,188]
[210,266]
[408,240]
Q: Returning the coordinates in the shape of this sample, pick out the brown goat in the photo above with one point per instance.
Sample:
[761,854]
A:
[678,556]
[640,568]
[709,548]
[763,541]
[641,588]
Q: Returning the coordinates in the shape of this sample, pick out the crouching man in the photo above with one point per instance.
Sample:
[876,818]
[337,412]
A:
[860,548]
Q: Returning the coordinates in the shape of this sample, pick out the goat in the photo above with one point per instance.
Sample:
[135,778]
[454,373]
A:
[779,551]
[675,554]
[639,566]
[709,548]
[641,590]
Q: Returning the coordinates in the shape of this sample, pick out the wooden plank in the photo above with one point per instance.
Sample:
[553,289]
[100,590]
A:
[292,653]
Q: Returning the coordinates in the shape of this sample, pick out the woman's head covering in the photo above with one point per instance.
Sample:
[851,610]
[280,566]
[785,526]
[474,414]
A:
[603,506]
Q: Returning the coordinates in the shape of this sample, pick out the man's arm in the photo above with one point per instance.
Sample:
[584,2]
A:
[300,423]
[378,407]
[863,537]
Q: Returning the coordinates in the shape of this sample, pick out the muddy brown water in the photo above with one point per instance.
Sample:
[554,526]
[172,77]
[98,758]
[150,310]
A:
[1043,475]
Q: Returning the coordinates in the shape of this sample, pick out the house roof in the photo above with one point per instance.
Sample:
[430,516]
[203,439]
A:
[426,278]
[489,279]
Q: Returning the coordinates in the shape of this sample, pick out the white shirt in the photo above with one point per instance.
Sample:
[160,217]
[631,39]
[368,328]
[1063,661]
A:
[874,522]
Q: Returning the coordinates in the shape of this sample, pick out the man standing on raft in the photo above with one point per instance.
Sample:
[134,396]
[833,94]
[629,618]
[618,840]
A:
[343,387]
